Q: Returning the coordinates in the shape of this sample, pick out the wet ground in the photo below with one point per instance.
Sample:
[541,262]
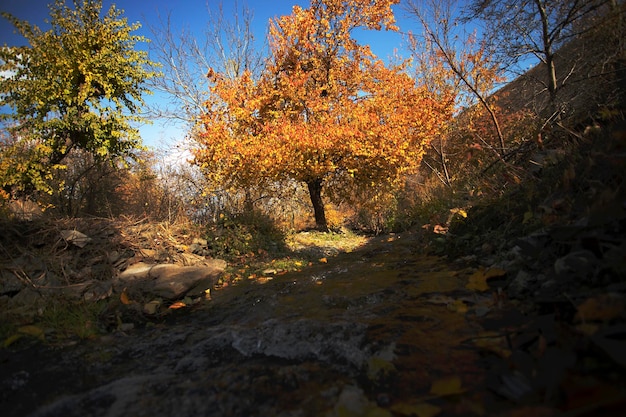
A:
[382,331]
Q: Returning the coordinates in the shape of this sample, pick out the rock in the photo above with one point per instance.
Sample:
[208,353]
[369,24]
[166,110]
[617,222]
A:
[98,290]
[9,283]
[137,271]
[174,281]
[152,307]
[171,281]
[23,209]
[113,256]
[195,248]
[352,402]
[581,264]
[193,259]
[522,284]
[27,296]
[201,242]
[199,247]
[76,238]
[303,339]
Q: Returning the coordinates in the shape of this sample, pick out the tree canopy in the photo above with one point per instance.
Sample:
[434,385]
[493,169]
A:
[78,85]
[324,111]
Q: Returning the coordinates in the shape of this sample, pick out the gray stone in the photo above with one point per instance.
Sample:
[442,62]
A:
[580,264]
[75,237]
[9,283]
[174,281]
[27,296]
[521,284]
[200,242]
[171,281]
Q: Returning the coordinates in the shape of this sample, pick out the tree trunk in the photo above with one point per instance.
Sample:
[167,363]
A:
[548,55]
[315,192]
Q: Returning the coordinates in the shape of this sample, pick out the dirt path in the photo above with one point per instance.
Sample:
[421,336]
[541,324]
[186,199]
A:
[383,331]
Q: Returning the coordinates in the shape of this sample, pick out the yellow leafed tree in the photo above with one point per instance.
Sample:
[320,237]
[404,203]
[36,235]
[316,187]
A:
[325,110]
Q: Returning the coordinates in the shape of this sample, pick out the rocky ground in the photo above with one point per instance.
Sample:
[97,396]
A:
[382,330]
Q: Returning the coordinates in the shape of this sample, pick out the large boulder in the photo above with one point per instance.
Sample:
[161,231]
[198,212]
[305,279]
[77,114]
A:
[171,281]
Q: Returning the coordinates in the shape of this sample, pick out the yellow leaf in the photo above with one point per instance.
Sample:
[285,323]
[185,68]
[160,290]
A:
[493,342]
[177,305]
[124,297]
[478,280]
[323,260]
[528,216]
[451,385]
[419,410]
[12,339]
[459,306]
[32,330]
[600,308]
[378,412]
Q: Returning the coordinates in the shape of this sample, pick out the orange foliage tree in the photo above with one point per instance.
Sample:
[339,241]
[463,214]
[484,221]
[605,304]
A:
[324,111]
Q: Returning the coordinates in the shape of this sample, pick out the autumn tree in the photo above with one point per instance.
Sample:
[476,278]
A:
[325,110]
[78,85]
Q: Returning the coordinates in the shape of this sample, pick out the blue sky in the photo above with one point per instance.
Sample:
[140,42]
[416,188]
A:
[191,14]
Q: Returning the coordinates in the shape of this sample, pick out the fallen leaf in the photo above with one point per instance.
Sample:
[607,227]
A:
[440,230]
[493,342]
[32,330]
[459,211]
[378,367]
[419,410]
[177,305]
[451,385]
[323,260]
[152,307]
[478,280]
[459,306]
[528,216]
[12,339]
[124,297]
[604,307]
[378,412]
[588,329]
